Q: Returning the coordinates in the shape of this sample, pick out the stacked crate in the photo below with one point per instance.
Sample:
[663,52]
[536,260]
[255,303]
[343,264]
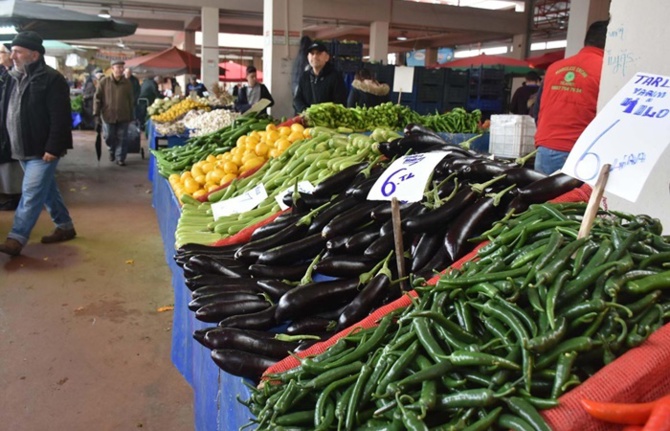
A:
[487,90]
[429,85]
[456,89]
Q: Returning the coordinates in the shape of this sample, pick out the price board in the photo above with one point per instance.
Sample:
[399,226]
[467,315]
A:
[630,133]
[239,204]
[406,178]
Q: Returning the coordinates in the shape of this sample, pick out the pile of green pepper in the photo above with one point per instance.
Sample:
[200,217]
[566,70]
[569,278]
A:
[535,313]
[391,115]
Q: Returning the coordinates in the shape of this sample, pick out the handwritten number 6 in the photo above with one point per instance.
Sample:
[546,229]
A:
[388,184]
[587,153]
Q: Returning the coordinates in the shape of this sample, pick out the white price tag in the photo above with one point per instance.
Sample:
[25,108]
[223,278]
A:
[406,178]
[303,187]
[241,203]
[630,133]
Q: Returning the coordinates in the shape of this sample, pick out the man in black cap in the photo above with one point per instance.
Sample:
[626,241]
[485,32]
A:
[115,106]
[321,82]
[39,123]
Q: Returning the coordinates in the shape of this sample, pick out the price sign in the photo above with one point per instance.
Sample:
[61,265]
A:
[630,133]
[241,203]
[406,178]
[303,187]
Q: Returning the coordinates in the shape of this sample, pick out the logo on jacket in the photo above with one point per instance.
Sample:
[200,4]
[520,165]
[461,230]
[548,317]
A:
[569,77]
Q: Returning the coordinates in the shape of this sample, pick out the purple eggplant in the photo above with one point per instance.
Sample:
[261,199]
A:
[338,182]
[281,272]
[312,298]
[250,251]
[274,288]
[243,364]
[217,311]
[250,287]
[369,298]
[343,265]
[263,320]
[342,203]
[311,326]
[200,301]
[349,220]
[442,215]
[248,340]
[295,251]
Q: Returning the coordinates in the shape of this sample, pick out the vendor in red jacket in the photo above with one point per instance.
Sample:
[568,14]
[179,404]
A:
[568,100]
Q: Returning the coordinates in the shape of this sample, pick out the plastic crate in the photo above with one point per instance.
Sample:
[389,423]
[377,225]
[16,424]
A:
[456,78]
[348,49]
[428,108]
[456,95]
[429,76]
[430,93]
[489,105]
[346,66]
[512,135]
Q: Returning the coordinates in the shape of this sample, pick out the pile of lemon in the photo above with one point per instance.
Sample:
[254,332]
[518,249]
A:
[180,109]
[250,152]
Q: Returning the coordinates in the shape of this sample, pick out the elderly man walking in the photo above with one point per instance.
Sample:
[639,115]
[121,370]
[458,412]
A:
[115,105]
[39,124]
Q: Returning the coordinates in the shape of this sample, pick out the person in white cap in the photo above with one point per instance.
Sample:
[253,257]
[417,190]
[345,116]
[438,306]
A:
[114,105]
[39,124]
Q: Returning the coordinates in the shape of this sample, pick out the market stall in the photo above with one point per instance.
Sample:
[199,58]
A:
[515,274]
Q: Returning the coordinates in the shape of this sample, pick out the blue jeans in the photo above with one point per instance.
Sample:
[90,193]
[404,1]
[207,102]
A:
[116,136]
[39,190]
[548,161]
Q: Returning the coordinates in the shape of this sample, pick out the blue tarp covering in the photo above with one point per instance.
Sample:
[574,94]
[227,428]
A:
[214,391]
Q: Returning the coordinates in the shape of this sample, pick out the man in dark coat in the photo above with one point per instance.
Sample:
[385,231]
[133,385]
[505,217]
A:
[252,92]
[39,123]
[148,93]
[321,83]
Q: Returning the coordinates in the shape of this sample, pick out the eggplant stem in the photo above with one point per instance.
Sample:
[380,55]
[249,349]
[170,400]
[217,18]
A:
[498,196]
[479,188]
[298,337]
[522,160]
[466,144]
[307,278]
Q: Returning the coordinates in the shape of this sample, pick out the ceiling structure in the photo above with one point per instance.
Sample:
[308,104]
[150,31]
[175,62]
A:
[420,24]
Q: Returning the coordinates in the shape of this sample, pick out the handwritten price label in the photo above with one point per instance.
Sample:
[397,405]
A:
[406,178]
[241,203]
[630,133]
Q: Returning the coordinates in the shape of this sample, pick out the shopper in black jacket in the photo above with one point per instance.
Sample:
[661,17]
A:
[321,83]
[252,92]
[367,91]
[39,123]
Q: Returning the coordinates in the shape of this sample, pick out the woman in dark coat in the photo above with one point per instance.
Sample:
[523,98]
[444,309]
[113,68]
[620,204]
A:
[366,91]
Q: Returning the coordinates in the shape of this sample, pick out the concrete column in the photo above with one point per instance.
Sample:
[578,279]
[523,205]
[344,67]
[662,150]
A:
[520,46]
[431,57]
[209,70]
[379,42]
[185,40]
[282,30]
[582,14]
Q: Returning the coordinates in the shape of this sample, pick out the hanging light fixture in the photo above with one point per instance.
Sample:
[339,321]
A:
[403,36]
[104,13]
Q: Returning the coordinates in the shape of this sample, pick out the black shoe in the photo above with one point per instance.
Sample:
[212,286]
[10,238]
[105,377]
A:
[112,158]
[121,163]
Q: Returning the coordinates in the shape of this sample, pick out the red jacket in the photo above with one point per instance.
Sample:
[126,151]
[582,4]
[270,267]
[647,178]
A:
[569,99]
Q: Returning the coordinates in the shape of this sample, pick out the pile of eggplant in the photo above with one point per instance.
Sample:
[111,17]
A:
[329,261]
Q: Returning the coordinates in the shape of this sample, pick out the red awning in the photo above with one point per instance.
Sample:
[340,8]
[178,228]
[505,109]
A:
[544,61]
[235,72]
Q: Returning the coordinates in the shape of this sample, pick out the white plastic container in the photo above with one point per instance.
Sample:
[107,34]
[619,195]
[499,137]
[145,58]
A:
[512,135]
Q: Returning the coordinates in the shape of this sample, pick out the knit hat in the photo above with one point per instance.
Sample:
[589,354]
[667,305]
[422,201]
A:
[29,40]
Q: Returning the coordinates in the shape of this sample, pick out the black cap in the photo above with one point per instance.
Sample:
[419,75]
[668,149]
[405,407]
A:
[29,40]
[121,62]
[317,46]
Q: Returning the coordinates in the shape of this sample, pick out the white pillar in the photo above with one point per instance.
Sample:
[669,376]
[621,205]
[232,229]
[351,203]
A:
[282,29]
[582,14]
[209,70]
[379,41]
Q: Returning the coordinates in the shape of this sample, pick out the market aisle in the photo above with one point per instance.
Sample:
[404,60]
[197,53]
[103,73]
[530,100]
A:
[82,345]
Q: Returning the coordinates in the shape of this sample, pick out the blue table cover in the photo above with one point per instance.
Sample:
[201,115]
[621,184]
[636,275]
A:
[153,137]
[214,392]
